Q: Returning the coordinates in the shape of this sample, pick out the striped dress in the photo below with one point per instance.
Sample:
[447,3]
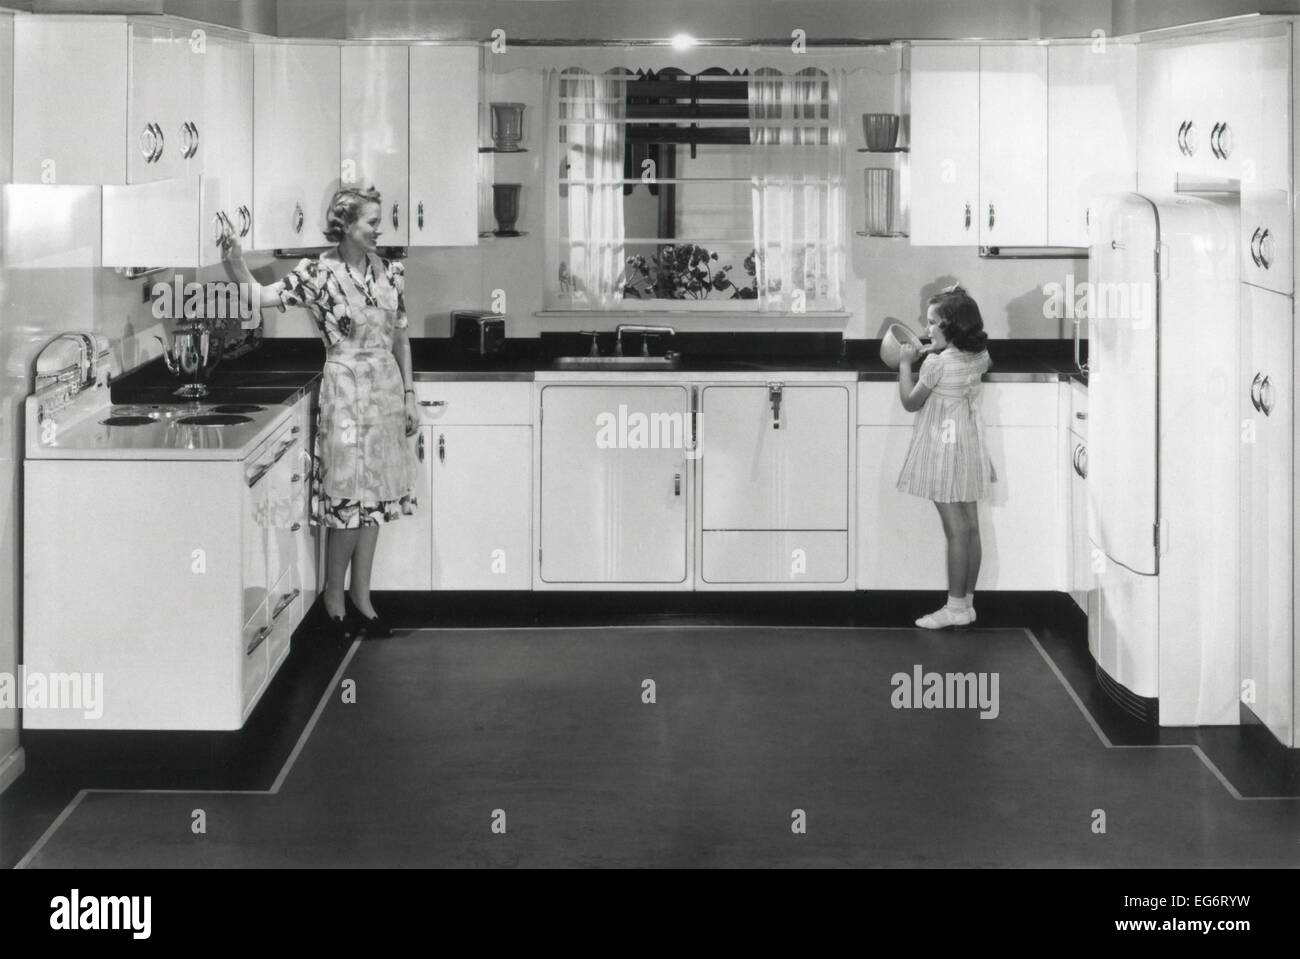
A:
[948,461]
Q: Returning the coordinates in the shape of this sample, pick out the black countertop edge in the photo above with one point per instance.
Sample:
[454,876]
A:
[287,366]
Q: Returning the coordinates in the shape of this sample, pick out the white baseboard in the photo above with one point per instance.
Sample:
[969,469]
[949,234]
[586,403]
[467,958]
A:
[11,767]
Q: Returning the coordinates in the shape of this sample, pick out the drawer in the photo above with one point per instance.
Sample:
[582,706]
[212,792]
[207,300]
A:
[252,653]
[284,609]
[475,403]
[1002,404]
[775,556]
[1079,409]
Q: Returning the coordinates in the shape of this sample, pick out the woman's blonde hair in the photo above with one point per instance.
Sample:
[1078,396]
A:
[345,209]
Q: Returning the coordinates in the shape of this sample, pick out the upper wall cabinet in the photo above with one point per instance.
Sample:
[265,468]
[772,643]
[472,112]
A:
[99,102]
[1091,132]
[945,138]
[1217,108]
[373,130]
[295,142]
[1013,145]
[444,138]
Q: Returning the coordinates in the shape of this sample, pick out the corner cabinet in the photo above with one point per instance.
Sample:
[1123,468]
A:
[473,526]
[295,142]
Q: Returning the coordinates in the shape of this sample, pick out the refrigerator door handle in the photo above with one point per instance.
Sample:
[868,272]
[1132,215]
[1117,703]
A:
[1266,399]
[1254,392]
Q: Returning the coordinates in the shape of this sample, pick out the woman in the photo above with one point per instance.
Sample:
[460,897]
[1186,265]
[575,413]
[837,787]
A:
[364,472]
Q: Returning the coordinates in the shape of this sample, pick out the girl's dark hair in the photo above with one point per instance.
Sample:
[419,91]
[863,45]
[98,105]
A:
[345,209]
[959,319]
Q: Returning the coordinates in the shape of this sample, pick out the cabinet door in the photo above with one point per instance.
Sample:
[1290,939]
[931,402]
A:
[1162,118]
[159,96]
[404,556]
[774,460]
[482,524]
[152,224]
[1013,146]
[295,142]
[70,131]
[444,93]
[1091,133]
[284,518]
[1265,148]
[374,130]
[253,539]
[224,85]
[1267,650]
[900,538]
[945,137]
[614,484]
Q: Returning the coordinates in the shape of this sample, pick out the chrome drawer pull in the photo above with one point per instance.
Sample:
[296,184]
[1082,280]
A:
[258,640]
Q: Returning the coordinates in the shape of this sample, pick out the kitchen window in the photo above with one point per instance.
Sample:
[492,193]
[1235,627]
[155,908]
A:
[721,190]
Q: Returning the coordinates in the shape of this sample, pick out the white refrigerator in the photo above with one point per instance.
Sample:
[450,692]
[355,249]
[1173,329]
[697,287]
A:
[1163,333]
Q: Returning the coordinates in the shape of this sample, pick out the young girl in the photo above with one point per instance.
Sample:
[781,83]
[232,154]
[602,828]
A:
[948,461]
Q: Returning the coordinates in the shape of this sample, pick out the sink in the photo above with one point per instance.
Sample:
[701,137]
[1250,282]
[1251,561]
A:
[671,362]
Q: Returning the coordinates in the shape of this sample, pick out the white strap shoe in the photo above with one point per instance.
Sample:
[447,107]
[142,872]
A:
[945,618]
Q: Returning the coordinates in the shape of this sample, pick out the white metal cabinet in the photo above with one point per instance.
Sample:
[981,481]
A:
[444,135]
[1022,524]
[945,145]
[71,131]
[482,507]
[161,64]
[1091,132]
[374,129]
[614,486]
[774,483]
[1267,480]
[224,88]
[1013,145]
[295,142]
[403,557]
[1267,240]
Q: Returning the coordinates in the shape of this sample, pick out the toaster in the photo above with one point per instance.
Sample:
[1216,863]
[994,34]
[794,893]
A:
[478,331]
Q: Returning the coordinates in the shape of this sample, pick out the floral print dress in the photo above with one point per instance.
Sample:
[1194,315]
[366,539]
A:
[364,471]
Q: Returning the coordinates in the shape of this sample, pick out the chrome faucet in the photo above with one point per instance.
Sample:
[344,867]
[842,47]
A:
[645,331]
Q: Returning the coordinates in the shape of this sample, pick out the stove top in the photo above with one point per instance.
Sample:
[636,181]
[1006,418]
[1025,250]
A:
[94,428]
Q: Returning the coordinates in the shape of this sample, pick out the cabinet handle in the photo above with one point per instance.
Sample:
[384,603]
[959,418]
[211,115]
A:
[394,216]
[1074,459]
[148,143]
[1182,144]
[677,484]
[245,220]
[285,600]
[419,215]
[1265,249]
[442,448]
[297,218]
[967,216]
[1266,399]
[433,402]
[1190,138]
[187,140]
[219,228]
[1083,461]
[162,141]
[419,448]
[774,391]
[1087,218]
[1254,240]
[194,127]
[258,640]
[1224,149]
[1080,415]
[1214,141]
[990,216]
[1254,392]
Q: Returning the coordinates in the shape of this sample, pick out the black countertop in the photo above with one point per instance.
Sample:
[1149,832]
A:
[280,369]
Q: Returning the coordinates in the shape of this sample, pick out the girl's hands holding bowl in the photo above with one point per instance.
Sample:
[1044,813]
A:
[907,354]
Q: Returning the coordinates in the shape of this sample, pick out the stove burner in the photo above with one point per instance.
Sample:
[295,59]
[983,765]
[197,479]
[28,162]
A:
[214,419]
[237,408]
[128,421]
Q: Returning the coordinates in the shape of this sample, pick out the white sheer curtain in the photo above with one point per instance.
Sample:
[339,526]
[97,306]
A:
[585,259]
[798,188]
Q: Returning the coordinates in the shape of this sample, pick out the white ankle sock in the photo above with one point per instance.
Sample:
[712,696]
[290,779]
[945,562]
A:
[957,604]
[969,600]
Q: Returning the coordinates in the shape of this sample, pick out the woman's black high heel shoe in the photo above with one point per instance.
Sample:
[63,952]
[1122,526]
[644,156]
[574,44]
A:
[375,628]
[337,628]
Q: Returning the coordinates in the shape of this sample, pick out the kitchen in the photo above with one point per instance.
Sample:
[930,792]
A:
[753,579]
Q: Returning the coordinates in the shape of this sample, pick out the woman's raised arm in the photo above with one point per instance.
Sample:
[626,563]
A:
[233,254]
